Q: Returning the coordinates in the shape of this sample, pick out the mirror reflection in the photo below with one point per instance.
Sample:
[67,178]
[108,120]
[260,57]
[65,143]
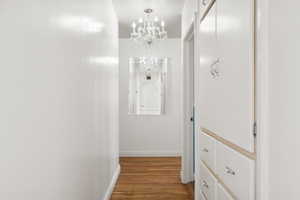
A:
[147,85]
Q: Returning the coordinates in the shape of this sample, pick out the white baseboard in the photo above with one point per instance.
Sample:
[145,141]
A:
[150,154]
[112,183]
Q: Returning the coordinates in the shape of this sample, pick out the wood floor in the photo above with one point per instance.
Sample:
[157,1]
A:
[151,179]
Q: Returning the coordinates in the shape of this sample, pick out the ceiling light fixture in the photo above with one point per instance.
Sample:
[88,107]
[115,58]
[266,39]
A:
[148,29]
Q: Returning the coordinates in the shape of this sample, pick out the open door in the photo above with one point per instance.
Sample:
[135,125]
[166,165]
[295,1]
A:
[188,120]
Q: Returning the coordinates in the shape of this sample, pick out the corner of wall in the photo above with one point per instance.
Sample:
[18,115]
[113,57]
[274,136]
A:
[112,184]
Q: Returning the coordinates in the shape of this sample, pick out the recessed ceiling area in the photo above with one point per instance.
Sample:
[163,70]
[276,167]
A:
[168,10]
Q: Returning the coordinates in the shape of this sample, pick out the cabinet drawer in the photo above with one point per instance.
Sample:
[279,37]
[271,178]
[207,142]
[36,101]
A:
[236,171]
[203,6]
[207,150]
[222,194]
[207,183]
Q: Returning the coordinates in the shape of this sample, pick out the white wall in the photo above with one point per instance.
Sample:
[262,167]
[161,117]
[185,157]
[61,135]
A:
[284,98]
[59,99]
[150,135]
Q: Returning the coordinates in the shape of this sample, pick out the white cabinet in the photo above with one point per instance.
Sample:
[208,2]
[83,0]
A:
[226,100]
[235,33]
[226,48]
[207,183]
[231,168]
[207,150]
[207,82]
[236,171]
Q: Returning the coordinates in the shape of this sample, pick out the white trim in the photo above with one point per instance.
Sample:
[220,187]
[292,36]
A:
[184,178]
[150,154]
[187,164]
[262,99]
[112,183]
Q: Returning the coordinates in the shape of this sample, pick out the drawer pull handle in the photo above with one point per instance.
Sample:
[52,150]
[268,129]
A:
[204,184]
[230,171]
[205,150]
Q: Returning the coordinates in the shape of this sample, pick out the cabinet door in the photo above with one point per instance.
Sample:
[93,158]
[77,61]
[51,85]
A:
[226,100]
[208,56]
[235,33]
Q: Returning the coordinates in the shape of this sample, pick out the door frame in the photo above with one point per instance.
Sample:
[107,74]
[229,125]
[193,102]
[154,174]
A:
[187,172]
[262,98]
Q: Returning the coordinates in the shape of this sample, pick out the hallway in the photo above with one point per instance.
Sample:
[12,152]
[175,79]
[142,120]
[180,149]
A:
[129,99]
[151,178]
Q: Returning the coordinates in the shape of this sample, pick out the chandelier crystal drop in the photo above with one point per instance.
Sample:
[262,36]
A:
[148,29]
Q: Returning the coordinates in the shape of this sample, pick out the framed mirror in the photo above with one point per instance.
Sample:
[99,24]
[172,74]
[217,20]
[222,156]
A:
[147,85]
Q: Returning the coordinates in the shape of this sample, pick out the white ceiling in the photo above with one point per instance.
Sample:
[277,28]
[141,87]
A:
[168,10]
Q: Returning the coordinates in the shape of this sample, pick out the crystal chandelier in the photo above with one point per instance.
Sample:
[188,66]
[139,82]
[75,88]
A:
[149,29]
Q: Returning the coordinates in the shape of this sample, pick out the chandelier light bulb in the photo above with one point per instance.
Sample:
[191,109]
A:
[162,23]
[156,19]
[141,20]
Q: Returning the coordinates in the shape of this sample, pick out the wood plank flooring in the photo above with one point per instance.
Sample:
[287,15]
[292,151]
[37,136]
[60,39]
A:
[151,179]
